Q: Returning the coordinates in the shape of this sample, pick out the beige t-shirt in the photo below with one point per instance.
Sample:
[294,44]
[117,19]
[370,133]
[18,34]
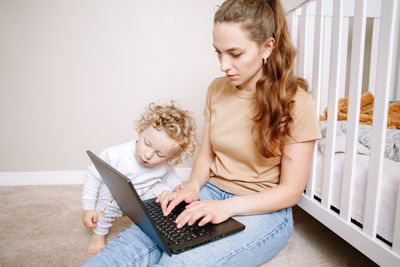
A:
[238,167]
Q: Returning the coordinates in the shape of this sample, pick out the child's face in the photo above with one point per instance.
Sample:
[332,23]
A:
[154,147]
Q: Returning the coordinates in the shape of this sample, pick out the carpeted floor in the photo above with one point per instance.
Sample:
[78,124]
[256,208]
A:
[41,226]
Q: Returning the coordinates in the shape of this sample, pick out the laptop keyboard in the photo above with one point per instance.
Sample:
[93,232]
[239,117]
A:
[167,226]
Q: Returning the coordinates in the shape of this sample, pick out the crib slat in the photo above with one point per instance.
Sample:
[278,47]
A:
[356,71]
[300,66]
[292,23]
[374,55]
[385,56]
[343,54]
[396,230]
[326,60]
[333,100]
[373,8]
[395,90]
[316,83]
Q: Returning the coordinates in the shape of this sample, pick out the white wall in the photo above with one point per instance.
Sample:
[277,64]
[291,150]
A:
[74,75]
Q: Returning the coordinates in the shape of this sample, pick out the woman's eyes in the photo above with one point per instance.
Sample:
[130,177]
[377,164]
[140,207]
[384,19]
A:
[233,54]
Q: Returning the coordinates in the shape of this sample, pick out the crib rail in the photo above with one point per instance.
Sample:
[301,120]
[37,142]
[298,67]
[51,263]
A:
[346,48]
[357,61]
[385,57]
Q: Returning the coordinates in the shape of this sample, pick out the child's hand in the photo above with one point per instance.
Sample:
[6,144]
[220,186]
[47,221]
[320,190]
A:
[89,218]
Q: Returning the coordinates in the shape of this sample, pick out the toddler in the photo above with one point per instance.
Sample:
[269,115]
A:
[166,137]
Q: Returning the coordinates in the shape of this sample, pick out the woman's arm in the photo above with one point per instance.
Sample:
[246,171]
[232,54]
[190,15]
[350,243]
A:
[295,167]
[201,168]
[198,177]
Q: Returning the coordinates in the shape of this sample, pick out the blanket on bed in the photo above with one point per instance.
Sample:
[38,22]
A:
[392,140]
[366,111]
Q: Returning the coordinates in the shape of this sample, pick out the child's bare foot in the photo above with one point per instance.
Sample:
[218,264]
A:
[96,244]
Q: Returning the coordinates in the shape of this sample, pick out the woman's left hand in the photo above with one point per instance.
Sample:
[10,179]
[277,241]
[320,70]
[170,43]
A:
[214,211]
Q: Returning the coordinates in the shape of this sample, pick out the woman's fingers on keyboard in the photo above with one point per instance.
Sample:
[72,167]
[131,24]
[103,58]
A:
[173,203]
[164,199]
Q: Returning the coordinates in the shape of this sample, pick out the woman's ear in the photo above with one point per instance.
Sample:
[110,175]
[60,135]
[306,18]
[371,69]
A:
[268,47]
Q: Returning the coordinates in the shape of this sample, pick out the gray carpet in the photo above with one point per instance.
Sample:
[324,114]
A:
[41,226]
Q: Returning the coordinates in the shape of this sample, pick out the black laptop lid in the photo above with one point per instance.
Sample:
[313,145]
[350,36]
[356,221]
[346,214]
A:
[131,204]
[127,198]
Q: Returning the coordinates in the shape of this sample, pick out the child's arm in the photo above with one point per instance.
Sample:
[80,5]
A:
[171,179]
[89,196]
[91,188]
[169,182]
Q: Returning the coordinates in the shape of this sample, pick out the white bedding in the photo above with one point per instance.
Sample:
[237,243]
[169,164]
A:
[392,140]
[389,184]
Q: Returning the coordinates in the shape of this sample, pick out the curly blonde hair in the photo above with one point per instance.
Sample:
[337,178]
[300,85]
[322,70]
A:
[177,123]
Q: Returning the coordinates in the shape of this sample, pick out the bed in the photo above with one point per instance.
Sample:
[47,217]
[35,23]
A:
[347,48]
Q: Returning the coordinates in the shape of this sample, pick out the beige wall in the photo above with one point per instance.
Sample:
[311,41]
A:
[74,75]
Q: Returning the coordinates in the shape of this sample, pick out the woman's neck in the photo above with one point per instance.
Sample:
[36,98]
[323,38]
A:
[250,84]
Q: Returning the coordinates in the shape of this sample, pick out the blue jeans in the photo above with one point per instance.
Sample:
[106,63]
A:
[265,235]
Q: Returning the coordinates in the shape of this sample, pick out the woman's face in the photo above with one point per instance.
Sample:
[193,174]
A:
[240,57]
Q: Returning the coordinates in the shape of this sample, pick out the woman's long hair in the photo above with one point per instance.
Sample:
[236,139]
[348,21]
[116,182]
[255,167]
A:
[276,90]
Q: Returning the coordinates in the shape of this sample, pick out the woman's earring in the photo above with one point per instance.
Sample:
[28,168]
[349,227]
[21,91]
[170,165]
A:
[265,60]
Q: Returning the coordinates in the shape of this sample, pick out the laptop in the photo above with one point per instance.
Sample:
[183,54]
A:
[148,215]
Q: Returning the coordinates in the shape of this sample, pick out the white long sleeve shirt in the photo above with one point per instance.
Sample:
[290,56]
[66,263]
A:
[122,157]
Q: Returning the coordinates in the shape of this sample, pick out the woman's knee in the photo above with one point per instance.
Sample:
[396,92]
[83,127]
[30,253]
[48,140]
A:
[265,237]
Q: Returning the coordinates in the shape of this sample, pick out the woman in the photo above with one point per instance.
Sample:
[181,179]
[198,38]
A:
[256,148]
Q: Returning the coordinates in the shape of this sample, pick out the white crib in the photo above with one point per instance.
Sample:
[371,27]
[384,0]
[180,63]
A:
[346,48]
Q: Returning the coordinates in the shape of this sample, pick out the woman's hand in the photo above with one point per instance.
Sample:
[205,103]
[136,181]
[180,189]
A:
[214,211]
[169,200]
[89,218]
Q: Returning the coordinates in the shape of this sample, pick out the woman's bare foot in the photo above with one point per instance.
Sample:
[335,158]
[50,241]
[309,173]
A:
[96,244]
